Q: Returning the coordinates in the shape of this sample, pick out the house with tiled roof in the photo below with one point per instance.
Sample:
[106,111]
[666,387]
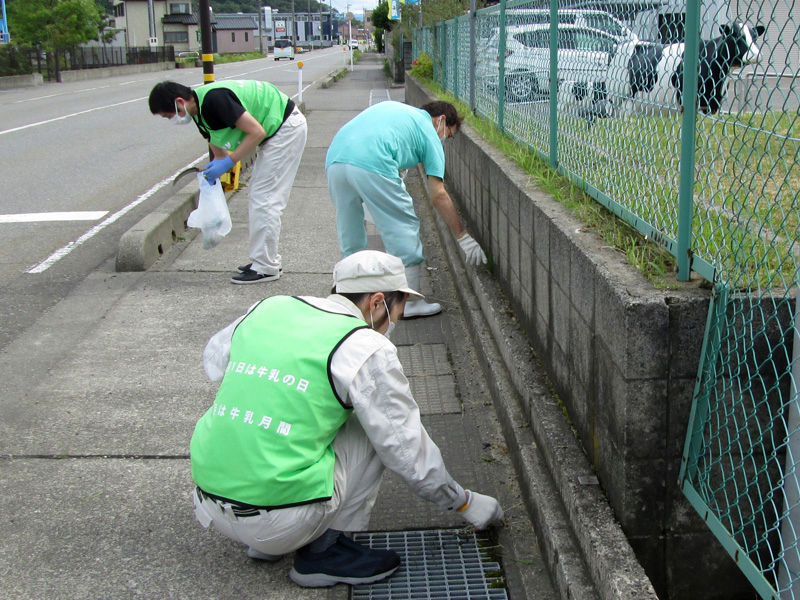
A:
[174,23]
[237,32]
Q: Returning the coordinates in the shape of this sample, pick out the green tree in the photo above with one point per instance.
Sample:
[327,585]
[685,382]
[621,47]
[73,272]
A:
[380,17]
[54,24]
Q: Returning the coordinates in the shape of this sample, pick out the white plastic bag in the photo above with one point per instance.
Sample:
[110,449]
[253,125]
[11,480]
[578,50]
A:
[211,215]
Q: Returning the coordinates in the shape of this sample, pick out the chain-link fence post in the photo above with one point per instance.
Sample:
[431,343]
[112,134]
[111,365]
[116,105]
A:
[501,81]
[472,46]
[688,136]
[553,153]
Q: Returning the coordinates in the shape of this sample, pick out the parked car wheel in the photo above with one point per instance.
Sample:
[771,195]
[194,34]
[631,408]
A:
[522,87]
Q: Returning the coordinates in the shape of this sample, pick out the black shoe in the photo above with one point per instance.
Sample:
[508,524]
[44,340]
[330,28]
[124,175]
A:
[246,267]
[251,276]
[345,561]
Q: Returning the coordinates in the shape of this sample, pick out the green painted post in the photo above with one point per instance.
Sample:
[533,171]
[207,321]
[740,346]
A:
[443,54]
[688,133]
[501,74]
[553,158]
[455,59]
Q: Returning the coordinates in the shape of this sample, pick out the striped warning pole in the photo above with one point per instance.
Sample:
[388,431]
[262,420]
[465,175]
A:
[207,43]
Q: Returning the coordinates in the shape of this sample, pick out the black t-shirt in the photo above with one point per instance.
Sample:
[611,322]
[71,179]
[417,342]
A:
[220,110]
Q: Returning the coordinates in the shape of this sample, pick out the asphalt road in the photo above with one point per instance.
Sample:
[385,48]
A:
[94,149]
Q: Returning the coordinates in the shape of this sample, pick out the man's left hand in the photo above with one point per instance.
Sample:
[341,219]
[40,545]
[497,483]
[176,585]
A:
[218,167]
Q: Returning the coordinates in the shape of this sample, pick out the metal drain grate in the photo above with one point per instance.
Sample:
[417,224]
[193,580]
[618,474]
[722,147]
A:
[376,96]
[443,564]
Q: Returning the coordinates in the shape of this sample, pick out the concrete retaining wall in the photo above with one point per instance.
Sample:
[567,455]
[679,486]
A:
[621,356]
[13,82]
[84,74]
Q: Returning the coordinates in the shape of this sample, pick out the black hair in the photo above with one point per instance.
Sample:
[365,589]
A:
[163,95]
[392,298]
[439,108]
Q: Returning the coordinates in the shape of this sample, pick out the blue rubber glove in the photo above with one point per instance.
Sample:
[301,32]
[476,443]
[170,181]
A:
[215,168]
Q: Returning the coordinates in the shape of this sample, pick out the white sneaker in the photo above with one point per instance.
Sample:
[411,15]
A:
[420,308]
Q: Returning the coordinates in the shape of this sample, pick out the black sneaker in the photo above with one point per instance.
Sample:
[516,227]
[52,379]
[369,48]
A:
[246,267]
[251,276]
[345,561]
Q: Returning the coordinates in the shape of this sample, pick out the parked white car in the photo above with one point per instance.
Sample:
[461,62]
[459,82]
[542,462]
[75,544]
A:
[583,57]
[354,44]
[582,17]
[283,49]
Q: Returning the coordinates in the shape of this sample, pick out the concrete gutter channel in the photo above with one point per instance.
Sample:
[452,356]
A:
[587,554]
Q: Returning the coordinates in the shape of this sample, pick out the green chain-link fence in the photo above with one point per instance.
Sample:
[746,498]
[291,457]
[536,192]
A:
[597,95]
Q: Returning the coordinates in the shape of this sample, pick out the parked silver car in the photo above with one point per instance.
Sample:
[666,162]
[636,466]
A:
[583,56]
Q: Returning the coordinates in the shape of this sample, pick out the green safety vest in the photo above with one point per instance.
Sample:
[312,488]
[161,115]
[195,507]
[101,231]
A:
[267,439]
[263,100]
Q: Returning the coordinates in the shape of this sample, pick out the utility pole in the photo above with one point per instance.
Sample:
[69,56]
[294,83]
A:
[311,24]
[294,28]
[260,29]
[206,46]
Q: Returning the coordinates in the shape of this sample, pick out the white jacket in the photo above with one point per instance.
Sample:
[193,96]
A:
[369,377]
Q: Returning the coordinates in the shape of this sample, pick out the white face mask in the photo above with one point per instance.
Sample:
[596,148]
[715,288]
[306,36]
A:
[443,137]
[180,120]
[392,324]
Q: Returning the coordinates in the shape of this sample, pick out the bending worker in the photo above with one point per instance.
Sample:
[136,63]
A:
[292,451]
[363,165]
[236,117]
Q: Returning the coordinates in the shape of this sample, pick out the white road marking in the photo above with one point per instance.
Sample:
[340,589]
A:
[82,112]
[64,251]
[82,215]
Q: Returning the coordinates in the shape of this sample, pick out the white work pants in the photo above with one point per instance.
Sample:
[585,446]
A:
[357,476]
[270,185]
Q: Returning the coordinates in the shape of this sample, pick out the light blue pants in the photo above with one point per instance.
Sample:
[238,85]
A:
[388,202]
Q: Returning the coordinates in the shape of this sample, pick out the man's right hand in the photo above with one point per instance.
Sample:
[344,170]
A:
[473,253]
[481,511]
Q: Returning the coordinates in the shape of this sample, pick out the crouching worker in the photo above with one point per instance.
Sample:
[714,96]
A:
[312,406]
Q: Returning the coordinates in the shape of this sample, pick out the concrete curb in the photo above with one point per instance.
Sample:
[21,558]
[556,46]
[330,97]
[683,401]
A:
[333,78]
[150,238]
[588,554]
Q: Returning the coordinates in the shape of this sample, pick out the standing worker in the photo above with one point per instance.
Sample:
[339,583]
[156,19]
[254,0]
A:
[363,166]
[236,117]
[291,453]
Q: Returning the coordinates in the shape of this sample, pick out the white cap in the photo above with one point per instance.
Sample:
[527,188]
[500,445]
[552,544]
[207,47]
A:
[371,271]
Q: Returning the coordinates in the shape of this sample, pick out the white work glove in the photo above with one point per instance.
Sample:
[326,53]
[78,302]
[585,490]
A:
[472,251]
[481,511]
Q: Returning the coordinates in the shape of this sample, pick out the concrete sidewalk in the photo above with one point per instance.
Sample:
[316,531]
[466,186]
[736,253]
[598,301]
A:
[102,394]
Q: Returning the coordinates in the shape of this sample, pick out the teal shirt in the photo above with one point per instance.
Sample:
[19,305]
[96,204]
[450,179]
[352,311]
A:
[388,137]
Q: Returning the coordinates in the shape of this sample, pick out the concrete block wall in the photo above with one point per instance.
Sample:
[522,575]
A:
[621,356]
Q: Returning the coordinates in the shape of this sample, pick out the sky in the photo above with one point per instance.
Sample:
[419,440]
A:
[356,6]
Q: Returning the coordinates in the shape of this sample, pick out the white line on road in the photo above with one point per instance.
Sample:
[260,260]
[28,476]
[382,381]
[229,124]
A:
[83,112]
[81,215]
[62,252]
